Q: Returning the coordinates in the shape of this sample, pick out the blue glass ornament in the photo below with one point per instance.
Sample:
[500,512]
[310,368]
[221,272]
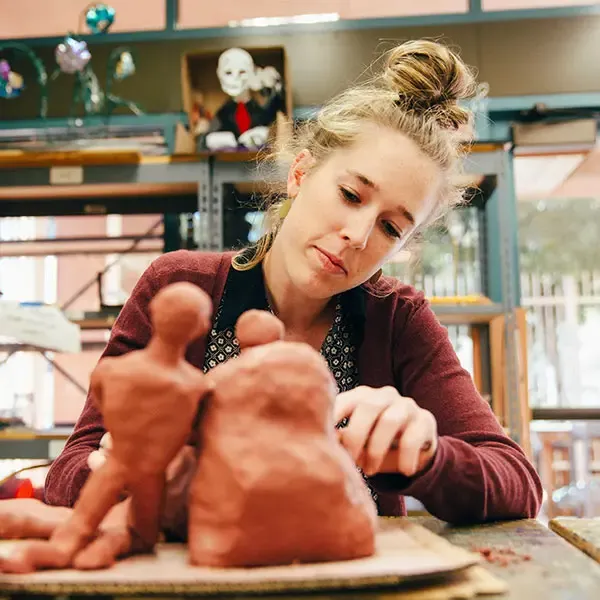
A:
[5,89]
[12,85]
[100,17]
[72,55]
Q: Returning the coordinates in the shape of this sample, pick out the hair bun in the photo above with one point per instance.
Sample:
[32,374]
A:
[429,77]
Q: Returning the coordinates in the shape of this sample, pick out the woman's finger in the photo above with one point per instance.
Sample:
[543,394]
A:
[419,433]
[389,426]
[106,441]
[346,402]
[96,459]
[360,425]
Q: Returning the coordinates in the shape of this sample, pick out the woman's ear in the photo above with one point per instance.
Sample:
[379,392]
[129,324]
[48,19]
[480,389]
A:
[298,169]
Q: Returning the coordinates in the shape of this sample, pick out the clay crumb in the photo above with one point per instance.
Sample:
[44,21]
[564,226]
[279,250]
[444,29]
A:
[502,557]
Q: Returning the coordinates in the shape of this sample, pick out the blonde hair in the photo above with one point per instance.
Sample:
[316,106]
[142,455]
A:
[417,93]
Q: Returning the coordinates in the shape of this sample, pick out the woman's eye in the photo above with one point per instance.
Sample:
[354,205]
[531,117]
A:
[349,196]
[391,230]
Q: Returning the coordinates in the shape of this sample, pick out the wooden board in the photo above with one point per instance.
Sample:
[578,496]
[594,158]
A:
[582,533]
[405,553]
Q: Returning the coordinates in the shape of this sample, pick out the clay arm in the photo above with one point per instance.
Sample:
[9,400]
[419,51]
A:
[27,518]
[99,494]
[179,475]
[478,473]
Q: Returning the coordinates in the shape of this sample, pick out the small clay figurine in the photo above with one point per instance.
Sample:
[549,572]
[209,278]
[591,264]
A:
[258,327]
[149,399]
[200,117]
[273,485]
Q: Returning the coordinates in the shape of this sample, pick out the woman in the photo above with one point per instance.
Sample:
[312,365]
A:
[377,165]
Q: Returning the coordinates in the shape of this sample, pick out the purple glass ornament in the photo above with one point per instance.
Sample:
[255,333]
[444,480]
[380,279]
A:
[72,55]
[4,70]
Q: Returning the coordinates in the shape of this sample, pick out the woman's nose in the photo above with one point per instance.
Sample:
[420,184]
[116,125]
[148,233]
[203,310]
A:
[358,230]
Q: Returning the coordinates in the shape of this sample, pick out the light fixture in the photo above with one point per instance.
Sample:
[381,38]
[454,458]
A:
[310,19]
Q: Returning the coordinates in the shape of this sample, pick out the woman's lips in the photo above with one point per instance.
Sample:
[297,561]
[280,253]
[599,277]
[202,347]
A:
[330,263]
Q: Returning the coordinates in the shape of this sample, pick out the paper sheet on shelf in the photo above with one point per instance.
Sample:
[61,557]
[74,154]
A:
[41,326]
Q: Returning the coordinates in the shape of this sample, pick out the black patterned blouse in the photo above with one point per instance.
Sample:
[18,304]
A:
[338,349]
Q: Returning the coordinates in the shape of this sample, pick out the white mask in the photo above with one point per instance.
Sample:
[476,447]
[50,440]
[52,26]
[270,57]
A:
[235,71]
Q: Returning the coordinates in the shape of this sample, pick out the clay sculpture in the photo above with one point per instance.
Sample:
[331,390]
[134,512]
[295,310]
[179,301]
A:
[149,399]
[270,482]
[273,485]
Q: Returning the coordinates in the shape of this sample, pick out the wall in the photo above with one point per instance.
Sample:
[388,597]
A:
[516,58]
[75,271]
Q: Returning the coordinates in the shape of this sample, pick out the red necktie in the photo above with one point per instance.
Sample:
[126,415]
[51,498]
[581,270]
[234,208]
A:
[242,117]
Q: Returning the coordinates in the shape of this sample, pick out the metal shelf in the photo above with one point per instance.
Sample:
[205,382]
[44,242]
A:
[489,164]
[28,444]
[172,32]
[94,168]
[467,314]
[561,413]
[448,314]
[33,184]
[492,164]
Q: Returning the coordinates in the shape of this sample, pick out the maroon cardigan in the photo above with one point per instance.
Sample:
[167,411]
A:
[478,473]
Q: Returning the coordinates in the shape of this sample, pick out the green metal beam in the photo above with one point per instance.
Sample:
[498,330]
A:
[514,105]
[502,251]
[84,205]
[475,7]
[502,112]
[146,120]
[171,232]
[474,15]
[172,8]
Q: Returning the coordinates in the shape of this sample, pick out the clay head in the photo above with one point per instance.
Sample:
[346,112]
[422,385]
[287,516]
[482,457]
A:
[180,313]
[258,327]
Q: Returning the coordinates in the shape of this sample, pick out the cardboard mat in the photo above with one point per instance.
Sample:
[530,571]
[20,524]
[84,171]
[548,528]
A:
[405,553]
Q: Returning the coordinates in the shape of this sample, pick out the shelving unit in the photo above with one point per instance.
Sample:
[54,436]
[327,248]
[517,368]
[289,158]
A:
[32,445]
[137,183]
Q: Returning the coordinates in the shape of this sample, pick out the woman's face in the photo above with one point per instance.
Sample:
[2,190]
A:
[351,213]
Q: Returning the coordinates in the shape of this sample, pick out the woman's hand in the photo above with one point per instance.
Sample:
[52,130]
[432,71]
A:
[380,420]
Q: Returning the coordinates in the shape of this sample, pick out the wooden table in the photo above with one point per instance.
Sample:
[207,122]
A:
[557,570]
[583,533]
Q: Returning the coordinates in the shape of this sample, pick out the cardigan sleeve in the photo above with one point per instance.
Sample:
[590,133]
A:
[130,331]
[478,473]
